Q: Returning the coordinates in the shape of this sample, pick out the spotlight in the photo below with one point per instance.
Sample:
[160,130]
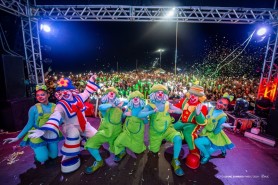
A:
[45,28]
[262,31]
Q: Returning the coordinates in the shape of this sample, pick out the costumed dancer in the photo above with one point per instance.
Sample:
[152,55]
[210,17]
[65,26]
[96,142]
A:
[132,136]
[192,118]
[212,137]
[37,117]
[161,126]
[71,110]
[109,129]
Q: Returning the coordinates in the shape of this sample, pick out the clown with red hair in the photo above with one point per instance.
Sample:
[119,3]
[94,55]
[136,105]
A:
[192,118]
[70,110]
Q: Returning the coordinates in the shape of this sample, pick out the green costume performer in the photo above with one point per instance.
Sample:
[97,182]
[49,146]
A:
[212,137]
[161,124]
[37,117]
[132,136]
[109,130]
[218,141]
[41,120]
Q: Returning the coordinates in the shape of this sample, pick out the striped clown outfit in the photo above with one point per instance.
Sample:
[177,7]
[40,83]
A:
[71,110]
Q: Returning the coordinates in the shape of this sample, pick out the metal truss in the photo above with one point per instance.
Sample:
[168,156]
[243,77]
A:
[191,14]
[32,49]
[15,7]
[269,77]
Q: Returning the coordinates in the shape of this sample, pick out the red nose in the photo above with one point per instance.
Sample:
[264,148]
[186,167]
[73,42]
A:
[160,94]
[65,93]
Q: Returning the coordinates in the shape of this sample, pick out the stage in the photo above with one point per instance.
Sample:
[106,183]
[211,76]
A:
[250,162]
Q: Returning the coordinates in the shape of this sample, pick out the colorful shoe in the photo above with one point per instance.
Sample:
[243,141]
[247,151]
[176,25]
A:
[204,160]
[120,156]
[177,169]
[94,167]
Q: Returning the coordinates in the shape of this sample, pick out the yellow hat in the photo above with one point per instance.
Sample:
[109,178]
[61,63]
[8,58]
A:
[159,87]
[227,96]
[197,90]
[135,94]
[112,89]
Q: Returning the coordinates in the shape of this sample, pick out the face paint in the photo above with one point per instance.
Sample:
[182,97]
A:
[111,95]
[222,104]
[42,96]
[67,95]
[159,95]
[136,101]
[193,98]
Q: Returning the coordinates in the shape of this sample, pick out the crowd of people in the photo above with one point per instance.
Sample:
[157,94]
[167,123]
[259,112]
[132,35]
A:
[178,85]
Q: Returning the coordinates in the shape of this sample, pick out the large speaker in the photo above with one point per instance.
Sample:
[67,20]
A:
[262,107]
[272,124]
[12,78]
[14,113]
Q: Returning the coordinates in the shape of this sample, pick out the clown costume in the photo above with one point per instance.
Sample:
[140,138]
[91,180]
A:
[212,137]
[38,116]
[109,129]
[161,127]
[132,136]
[71,110]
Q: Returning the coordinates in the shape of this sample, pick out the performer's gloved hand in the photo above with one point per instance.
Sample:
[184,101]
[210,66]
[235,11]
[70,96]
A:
[128,113]
[171,111]
[227,125]
[35,133]
[155,110]
[93,78]
[199,108]
[120,104]
[10,140]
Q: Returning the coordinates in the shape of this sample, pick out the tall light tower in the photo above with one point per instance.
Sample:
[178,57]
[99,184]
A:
[160,52]
[171,14]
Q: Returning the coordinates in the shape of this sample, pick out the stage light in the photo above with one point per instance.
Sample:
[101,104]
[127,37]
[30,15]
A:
[262,31]
[45,28]
[170,13]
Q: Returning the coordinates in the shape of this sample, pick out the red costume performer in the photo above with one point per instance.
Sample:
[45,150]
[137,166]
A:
[192,118]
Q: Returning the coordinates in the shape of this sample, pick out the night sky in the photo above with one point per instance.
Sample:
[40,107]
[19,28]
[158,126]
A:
[92,45]
[84,46]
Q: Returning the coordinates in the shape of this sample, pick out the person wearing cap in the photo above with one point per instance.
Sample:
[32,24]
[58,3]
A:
[37,117]
[192,118]
[109,129]
[132,136]
[70,110]
[161,126]
[212,137]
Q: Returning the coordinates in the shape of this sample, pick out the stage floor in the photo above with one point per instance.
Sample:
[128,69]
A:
[250,162]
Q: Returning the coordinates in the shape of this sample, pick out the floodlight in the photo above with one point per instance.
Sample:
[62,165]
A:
[45,28]
[262,31]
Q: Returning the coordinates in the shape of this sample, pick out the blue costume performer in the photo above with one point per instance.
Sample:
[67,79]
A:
[212,137]
[38,116]
[161,126]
